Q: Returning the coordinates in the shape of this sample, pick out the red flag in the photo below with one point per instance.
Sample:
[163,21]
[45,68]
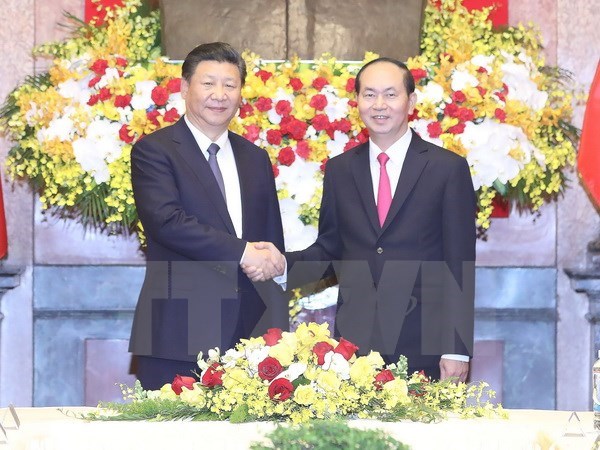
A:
[498,15]
[91,9]
[3,236]
[588,161]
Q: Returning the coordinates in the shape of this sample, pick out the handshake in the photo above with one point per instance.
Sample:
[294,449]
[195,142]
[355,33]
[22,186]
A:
[262,261]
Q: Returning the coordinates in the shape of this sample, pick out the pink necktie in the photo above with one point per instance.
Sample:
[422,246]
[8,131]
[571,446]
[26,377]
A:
[384,193]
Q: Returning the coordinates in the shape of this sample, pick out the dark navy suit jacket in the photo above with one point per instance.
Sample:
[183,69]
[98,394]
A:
[195,296]
[407,287]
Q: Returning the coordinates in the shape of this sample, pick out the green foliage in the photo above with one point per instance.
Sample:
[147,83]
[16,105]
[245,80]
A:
[157,410]
[328,435]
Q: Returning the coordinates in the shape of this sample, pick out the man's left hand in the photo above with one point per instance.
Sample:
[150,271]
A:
[450,368]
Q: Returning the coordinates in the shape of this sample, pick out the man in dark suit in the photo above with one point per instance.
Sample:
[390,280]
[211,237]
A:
[397,220]
[204,196]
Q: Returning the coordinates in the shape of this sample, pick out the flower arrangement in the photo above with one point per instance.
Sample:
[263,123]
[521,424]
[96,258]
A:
[300,376]
[482,94]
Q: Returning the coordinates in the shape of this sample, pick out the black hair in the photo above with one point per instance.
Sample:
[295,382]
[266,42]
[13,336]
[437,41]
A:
[213,51]
[409,81]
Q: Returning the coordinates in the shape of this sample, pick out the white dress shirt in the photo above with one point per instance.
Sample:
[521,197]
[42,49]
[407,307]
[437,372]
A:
[397,154]
[226,161]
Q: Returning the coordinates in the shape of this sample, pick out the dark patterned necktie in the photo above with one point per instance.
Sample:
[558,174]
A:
[214,165]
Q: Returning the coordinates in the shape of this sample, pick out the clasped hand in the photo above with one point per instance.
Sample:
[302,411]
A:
[262,261]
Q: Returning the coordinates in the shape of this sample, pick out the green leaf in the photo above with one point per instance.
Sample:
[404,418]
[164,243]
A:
[240,414]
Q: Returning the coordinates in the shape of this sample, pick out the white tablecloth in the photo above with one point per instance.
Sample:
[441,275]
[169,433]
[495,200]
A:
[49,429]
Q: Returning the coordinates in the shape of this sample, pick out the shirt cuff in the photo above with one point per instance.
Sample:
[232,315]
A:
[281,280]
[463,358]
[244,254]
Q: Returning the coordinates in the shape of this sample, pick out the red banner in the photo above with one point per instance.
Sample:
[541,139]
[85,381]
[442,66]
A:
[91,9]
[588,161]
[498,15]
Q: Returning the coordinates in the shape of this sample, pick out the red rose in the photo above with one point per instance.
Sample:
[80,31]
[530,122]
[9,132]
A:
[321,349]
[121,101]
[263,104]
[501,96]
[93,81]
[319,82]
[280,389]
[273,335]
[303,149]
[320,122]
[174,85]
[93,99]
[124,134]
[319,102]
[482,91]
[296,84]
[152,116]
[413,116]
[275,170]
[350,84]
[383,377]
[466,114]
[351,144]
[252,132]
[99,66]
[457,129]
[269,368]
[323,164]
[418,74]
[246,110]
[120,61]
[363,136]
[160,96]
[482,70]
[274,137]
[342,125]
[171,115]
[451,110]
[352,103]
[294,127]
[434,129]
[283,108]
[104,94]
[264,75]
[180,382]
[212,376]
[346,349]
[459,97]
[500,114]
[286,156]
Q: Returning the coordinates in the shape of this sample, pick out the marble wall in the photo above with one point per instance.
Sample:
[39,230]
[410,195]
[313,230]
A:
[520,265]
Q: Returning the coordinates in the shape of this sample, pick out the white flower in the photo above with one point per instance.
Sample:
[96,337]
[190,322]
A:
[299,179]
[521,87]
[337,107]
[337,144]
[142,98]
[110,74]
[78,90]
[273,117]
[496,151]
[484,61]
[256,356]
[461,79]
[177,102]
[231,357]
[61,128]
[338,364]
[323,299]
[430,93]
[292,372]
[99,146]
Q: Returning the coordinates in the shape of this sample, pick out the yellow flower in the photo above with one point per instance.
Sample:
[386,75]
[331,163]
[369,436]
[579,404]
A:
[305,395]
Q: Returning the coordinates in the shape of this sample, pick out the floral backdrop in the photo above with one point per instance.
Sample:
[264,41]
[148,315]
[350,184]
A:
[483,94]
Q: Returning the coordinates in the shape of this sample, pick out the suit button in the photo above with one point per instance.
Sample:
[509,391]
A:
[379,250]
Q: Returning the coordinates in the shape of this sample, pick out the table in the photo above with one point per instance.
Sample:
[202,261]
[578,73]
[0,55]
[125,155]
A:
[49,429]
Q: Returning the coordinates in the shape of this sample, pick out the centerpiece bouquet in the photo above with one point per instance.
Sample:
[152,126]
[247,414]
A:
[299,376]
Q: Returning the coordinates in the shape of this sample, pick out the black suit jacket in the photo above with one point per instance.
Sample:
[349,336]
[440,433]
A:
[194,296]
[407,287]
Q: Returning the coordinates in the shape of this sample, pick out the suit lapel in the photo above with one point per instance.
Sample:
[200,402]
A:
[189,150]
[362,176]
[413,166]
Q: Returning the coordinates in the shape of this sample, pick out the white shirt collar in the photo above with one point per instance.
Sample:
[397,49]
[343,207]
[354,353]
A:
[203,140]
[396,152]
